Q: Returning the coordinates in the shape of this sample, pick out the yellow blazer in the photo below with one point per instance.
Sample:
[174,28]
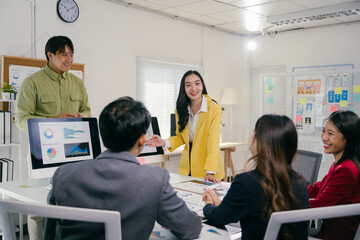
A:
[205,153]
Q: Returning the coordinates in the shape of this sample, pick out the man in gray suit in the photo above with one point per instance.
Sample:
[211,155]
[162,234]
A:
[116,181]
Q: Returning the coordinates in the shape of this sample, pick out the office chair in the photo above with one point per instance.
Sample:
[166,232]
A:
[279,218]
[110,218]
[308,164]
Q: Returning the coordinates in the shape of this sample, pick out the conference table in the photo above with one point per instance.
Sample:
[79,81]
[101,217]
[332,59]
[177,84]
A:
[226,147]
[188,188]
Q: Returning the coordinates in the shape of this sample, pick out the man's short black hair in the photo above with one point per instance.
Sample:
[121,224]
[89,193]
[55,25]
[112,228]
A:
[58,43]
[122,123]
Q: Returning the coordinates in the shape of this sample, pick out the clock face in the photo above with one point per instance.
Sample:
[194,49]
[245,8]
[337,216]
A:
[68,10]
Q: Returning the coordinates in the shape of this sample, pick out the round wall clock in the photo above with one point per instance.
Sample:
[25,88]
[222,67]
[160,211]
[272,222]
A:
[68,10]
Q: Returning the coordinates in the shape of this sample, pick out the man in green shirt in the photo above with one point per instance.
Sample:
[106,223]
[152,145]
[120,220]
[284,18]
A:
[53,91]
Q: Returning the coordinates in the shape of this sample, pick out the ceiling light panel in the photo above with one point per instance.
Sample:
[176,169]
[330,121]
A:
[316,14]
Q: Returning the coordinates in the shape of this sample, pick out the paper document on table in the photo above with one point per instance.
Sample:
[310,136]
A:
[234,230]
[207,233]
[193,201]
[198,186]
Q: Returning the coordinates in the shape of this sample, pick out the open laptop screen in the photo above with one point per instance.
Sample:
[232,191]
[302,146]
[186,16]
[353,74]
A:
[57,141]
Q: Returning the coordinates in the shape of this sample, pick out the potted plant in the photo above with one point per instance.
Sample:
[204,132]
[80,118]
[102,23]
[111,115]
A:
[7,90]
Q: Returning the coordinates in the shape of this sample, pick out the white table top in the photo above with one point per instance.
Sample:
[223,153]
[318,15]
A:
[35,191]
[223,145]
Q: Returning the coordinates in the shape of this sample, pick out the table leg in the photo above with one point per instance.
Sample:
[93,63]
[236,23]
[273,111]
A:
[232,167]
[226,164]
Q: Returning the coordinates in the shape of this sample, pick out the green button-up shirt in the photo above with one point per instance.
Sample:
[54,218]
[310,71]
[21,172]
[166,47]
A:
[48,94]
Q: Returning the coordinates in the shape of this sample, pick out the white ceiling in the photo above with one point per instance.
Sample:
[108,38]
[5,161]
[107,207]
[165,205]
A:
[233,15]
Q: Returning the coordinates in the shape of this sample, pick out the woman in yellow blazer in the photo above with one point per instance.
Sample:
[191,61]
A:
[198,127]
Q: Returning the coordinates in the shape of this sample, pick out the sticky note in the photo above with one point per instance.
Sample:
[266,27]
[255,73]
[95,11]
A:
[331,97]
[338,90]
[302,100]
[343,104]
[356,97]
[344,95]
[270,100]
[141,160]
[356,88]
[267,89]
[333,108]
[298,118]
[337,98]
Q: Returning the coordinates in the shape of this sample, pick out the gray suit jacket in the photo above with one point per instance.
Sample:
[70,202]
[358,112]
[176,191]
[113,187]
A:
[116,181]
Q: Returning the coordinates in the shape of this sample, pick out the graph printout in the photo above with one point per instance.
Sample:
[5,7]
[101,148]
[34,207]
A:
[65,142]
[149,134]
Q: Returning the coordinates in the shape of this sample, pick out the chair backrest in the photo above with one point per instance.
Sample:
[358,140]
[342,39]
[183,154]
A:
[279,218]
[308,164]
[110,218]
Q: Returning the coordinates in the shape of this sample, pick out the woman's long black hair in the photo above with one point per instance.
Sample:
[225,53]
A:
[348,123]
[183,100]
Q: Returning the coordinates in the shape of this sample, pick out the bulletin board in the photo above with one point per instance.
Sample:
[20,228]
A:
[308,95]
[316,96]
[15,69]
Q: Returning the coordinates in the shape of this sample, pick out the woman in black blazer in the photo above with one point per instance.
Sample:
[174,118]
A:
[272,186]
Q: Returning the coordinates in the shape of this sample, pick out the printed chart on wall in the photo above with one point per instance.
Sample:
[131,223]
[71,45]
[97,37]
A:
[308,102]
[17,74]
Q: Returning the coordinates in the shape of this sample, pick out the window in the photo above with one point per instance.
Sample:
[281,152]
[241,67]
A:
[158,86]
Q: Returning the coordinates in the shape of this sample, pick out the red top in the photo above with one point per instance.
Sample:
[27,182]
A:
[340,186]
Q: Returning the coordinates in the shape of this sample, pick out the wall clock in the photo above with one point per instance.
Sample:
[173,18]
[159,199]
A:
[67,10]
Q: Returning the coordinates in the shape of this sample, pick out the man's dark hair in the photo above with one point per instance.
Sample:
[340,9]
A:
[122,122]
[58,43]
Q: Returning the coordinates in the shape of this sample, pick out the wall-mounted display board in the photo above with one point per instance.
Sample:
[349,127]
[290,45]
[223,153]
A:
[15,69]
[317,95]
[309,95]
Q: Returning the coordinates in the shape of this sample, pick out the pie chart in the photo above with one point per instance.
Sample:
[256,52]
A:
[51,152]
[49,133]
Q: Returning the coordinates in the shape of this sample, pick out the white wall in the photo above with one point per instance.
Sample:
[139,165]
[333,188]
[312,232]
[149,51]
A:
[109,37]
[338,44]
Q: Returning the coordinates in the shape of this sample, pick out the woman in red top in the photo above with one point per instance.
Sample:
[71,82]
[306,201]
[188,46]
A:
[341,137]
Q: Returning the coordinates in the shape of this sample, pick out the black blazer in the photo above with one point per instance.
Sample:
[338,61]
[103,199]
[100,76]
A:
[245,202]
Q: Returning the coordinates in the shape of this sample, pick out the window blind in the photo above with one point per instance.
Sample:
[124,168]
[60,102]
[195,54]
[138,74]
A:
[158,87]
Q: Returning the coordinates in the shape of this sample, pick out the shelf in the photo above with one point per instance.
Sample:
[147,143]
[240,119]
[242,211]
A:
[6,100]
[9,144]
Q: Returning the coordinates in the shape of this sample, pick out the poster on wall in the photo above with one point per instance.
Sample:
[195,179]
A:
[17,74]
[339,92]
[305,115]
[308,98]
[313,86]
